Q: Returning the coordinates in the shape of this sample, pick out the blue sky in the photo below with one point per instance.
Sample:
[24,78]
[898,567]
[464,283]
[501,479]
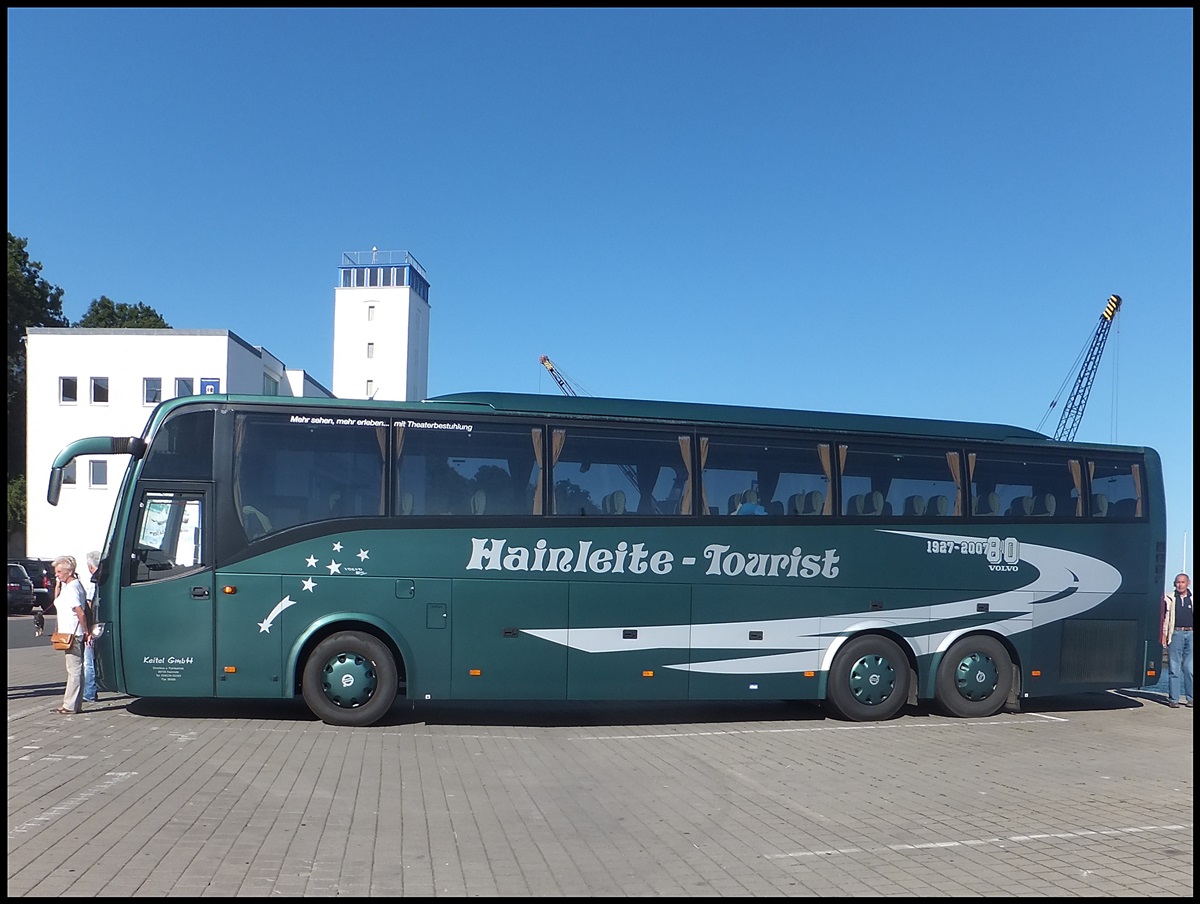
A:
[909,212]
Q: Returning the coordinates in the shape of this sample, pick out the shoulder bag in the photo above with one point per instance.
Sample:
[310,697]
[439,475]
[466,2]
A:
[62,641]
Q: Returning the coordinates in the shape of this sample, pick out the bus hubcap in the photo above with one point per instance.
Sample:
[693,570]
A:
[976,677]
[349,680]
[872,680]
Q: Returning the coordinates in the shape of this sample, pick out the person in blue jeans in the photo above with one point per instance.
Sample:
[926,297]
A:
[1177,638]
[90,694]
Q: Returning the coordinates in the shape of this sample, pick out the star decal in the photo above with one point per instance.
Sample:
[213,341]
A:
[334,567]
[309,584]
[362,555]
[337,547]
[312,561]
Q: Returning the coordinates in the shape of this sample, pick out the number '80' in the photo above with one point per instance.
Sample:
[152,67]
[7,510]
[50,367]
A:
[1007,550]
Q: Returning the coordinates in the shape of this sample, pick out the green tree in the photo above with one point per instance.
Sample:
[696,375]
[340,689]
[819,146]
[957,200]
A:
[16,504]
[104,313]
[31,302]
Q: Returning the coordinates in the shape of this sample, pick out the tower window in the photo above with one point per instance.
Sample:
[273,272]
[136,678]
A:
[370,349]
[370,312]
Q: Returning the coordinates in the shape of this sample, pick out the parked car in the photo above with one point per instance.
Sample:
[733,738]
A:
[20,589]
[42,575]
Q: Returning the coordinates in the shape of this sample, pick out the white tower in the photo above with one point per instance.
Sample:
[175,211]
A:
[381,327]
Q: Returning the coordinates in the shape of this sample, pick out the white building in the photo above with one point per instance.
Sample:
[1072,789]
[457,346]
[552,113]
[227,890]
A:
[381,327]
[106,382]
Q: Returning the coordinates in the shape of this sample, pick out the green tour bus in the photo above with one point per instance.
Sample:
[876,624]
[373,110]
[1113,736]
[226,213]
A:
[534,547]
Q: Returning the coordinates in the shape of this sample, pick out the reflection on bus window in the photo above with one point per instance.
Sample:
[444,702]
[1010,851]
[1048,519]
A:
[619,472]
[447,469]
[289,472]
[169,537]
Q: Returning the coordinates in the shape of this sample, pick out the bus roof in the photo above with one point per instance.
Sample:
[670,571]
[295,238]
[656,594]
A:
[647,411]
[739,415]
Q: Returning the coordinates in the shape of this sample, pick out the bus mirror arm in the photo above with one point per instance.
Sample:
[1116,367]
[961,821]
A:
[133,446]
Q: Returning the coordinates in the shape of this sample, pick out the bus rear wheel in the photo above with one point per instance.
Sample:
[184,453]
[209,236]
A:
[973,678]
[868,681]
[350,678]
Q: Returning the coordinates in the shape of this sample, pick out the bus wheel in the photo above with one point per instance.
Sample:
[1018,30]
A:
[868,681]
[974,678]
[350,679]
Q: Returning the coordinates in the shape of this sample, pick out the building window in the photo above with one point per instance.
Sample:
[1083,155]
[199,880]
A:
[370,389]
[98,473]
[68,390]
[270,385]
[99,390]
[370,349]
[387,275]
[373,276]
[69,473]
[370,312]
[152,390]
[183,386]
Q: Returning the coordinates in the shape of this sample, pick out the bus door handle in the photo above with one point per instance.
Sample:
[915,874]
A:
[199,593]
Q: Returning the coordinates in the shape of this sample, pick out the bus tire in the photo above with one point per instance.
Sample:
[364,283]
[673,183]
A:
[350,678]
[868,681]
[974,678]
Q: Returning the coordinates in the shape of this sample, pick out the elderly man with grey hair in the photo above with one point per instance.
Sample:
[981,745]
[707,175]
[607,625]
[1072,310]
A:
[90,694]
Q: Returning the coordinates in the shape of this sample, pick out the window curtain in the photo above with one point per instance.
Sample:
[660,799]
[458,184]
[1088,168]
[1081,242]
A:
[541,471]
[558,439]
[399,447]
[685,450]
[956,473]
[1077,476]
[239,442]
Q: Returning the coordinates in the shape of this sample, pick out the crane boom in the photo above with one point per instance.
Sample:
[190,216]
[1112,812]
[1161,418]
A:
[1072,413]
[569,390]
[558,378]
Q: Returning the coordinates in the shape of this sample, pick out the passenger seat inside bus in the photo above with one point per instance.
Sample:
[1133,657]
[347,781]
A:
[478,502]
[805,503]
[938,506]
[987,504]
[256,523]
[1122,508]
[915,506]
[869,504]
[1044,505]
[613,503]
[1099,505]
[1020,507]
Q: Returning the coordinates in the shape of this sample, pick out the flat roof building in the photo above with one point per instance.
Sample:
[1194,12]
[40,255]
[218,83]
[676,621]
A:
[106,382]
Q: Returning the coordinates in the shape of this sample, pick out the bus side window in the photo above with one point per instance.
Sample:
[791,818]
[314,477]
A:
[1116,488]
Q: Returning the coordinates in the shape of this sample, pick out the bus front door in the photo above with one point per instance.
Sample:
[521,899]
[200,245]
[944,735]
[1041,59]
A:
[165,615]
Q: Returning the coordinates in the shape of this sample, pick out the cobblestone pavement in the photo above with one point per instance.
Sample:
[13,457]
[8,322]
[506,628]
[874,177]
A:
[1082,796]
